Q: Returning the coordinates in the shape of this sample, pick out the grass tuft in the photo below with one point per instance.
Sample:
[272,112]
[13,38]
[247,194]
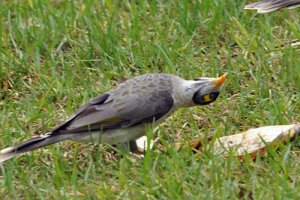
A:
[56,55]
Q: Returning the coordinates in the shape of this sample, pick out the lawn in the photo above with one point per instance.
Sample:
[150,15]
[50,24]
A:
[56,55]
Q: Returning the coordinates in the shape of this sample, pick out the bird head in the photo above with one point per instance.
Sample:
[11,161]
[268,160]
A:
[208,89]
[203,91]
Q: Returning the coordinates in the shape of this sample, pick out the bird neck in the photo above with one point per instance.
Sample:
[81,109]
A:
[184,93]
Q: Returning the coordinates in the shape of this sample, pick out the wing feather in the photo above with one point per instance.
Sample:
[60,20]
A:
[122,107]
[97,100]
[129,112]
[272,5]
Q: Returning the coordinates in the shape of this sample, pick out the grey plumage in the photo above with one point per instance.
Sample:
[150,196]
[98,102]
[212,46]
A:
[272,5]
[120,114]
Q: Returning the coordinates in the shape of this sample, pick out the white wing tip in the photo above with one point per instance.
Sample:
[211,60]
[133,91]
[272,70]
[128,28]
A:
[6,150]
[6,154]
[259,10]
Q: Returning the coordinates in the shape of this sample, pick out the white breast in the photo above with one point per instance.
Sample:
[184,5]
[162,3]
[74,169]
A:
[113,136]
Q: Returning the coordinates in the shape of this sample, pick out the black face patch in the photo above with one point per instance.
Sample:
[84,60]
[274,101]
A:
[204,99]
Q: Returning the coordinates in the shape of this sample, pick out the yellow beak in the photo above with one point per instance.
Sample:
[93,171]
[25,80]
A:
[219,81]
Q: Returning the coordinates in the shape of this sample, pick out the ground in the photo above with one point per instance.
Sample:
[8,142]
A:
[56,55]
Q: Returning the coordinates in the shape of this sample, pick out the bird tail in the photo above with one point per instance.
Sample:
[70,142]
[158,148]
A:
[266,6]
[30,145]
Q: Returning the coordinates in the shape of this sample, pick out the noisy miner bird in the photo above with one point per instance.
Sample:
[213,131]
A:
[119,116]
[266,6]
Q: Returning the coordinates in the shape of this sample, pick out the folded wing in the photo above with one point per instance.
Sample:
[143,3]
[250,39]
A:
[272,5]
[111,111]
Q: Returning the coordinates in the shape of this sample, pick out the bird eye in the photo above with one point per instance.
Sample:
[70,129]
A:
[205,99]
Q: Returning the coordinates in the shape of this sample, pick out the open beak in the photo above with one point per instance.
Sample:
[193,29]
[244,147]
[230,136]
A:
[219,81]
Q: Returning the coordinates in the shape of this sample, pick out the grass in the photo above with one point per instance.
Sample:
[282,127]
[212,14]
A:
[56,55]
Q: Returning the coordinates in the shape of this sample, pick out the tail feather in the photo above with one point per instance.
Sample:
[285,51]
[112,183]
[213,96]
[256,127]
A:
[30,145]
[272,5]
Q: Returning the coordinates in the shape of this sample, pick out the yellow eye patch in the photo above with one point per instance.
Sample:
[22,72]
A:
[207,98]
